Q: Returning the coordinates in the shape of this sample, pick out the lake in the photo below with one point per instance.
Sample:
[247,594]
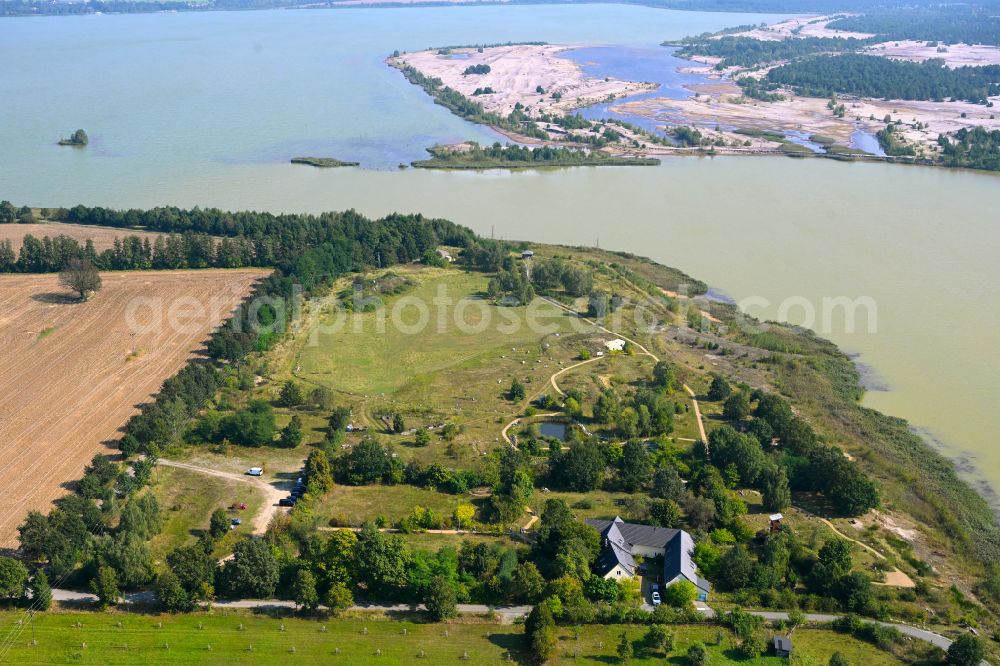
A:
[206,109]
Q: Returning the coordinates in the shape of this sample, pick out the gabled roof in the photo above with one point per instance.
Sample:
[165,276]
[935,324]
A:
[615,550]
[637,535]
[618,538]
[677,561]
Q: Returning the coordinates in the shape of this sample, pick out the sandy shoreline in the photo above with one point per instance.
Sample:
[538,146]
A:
[517,73]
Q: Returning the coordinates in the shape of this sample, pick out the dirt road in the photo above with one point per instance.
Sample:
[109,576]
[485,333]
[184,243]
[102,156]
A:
[270,490]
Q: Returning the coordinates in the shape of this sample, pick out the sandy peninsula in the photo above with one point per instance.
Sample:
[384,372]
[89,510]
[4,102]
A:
[517,72]
[542,81]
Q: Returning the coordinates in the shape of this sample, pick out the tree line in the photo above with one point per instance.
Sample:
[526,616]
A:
[189,250]
[874,76]
[747,52]
[975,23]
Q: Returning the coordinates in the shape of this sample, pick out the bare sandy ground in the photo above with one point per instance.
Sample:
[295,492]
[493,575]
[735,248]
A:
[722,104]
[515,74]
[799,27]
[717,108]
[954,55]
[807,115]
[103,237]
[71,374]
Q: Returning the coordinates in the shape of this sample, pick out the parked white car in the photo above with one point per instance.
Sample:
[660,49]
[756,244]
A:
[256,471]
[656,598]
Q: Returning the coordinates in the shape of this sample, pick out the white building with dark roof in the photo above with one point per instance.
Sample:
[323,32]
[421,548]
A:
[621,542]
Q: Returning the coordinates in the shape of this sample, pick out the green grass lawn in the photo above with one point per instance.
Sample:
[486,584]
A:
[185,639]
[187,500]
[811,647]
[358,504]
[442,373]
[593,504]
[370,361]
[243,638]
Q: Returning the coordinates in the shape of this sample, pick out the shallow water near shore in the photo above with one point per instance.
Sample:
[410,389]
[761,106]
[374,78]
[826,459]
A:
[206,109]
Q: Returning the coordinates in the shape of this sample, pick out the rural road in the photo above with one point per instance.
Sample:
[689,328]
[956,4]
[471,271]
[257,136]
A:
[506,613]
[272,494]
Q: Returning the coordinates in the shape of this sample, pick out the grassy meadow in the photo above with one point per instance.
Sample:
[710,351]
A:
[243,638]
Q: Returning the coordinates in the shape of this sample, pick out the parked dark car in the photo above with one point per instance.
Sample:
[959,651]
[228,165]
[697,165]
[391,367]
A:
[287,501]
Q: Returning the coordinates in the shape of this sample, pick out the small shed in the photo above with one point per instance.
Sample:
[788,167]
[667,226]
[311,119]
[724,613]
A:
[527,254]
[783,646]
[775,520]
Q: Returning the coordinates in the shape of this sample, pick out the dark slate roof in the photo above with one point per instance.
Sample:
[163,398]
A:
[618,537]
[637,535]
[783,643]
[615,550]
[677,561]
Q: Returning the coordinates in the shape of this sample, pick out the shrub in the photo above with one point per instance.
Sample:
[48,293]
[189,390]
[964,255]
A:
[681,594]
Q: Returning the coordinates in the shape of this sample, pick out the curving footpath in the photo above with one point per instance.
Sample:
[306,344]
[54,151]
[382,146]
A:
[641,348]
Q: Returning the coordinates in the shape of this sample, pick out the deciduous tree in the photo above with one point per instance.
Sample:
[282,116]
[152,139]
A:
[80,276]
[440,599]
[104,585]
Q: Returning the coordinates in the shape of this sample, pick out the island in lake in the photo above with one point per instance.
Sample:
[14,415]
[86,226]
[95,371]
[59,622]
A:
[78,138]
[323,162]
[471,155]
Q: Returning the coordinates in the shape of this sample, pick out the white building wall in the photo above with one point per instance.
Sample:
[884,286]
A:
[646,551]
[618,573]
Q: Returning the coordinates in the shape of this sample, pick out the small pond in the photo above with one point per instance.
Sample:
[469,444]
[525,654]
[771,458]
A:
[553,429]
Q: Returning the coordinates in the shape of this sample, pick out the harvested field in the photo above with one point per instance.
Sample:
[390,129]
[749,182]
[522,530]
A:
[72,373]
[103,237]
